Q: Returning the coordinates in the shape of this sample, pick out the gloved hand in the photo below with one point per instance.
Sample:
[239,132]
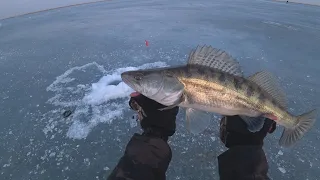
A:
[234,132]
[154,122]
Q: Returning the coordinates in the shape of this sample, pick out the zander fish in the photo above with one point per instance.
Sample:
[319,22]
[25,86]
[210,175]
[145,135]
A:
[212,81]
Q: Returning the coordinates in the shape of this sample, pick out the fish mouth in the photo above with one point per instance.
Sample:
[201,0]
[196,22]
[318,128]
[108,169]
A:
[126,79]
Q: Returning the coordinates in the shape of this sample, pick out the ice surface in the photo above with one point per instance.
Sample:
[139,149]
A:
[280,153]
[103,91]
[86,161]
[77,55]
[133,122]
[310,2]
[281,25]
[12,8]
[281,169]
[99,105]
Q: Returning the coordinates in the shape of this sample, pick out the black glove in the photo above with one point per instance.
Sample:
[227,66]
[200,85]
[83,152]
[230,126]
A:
[154,122]
[234,132]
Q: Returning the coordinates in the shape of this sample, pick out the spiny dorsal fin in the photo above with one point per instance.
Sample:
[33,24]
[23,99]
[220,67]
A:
[270,84]
[214,58]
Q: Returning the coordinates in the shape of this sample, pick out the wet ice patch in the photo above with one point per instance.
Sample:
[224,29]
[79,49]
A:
[92,102]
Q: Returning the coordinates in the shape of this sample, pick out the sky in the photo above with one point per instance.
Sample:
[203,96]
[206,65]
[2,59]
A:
[10,8]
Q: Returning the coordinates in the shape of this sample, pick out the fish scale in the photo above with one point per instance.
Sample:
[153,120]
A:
[205,84]
[258,101]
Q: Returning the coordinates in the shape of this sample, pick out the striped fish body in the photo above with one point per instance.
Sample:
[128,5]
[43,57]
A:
[211,90]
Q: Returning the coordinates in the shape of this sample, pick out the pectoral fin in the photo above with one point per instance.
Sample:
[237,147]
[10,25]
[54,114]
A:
[254,124]
[197,121]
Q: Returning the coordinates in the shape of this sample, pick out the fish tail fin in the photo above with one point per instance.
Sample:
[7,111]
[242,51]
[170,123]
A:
[291,135]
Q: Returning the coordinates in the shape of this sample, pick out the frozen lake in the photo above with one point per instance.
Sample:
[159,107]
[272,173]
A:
[71,59]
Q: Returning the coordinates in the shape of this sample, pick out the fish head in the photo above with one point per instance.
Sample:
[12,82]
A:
[156,84]
[147,83]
